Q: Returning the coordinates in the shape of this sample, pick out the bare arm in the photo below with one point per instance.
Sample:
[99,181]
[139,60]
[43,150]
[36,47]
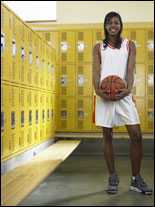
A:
[131,65]
[96,67]
[130,72]
[96,72]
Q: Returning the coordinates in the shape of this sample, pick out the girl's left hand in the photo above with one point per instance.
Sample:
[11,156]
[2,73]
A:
[123,92]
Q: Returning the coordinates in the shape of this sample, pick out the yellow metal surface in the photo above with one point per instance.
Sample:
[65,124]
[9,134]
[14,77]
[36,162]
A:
[14,121]
[83,110]
[83,46]
[65,116]
[66,81]
[67,47]
[23,110]
[36,96]
[84,85]
[42,116]
[5,121]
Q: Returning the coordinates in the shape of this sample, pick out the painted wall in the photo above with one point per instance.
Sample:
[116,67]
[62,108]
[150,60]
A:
[95,11]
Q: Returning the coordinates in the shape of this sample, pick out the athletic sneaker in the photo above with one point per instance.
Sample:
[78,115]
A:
[138,185]
[113,184]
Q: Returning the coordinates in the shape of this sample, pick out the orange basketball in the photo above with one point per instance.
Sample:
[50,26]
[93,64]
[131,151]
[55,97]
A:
[112,84]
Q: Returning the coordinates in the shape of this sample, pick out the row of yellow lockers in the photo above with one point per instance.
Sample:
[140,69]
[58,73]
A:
[27,118]
[77,79]
[25,57]
[75,114]
[76,45]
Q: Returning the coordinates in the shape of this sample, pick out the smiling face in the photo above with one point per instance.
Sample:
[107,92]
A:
[113,26]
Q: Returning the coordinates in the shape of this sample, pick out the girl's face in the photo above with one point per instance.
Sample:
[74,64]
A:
[113,26]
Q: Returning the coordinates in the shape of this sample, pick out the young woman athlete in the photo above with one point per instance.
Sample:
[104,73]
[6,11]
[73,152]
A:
[116,56]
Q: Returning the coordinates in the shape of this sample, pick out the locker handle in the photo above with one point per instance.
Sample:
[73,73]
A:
[2,42]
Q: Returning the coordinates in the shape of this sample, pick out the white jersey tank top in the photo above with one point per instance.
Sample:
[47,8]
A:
[121,112]
[114,61]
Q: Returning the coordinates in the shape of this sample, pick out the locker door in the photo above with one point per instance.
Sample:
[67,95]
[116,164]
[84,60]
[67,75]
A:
[138,36]
[150,46]
[67,47]
[83,114]
[84,80]
[36,116]
[23,118]
[139,88]
[14,119]
[5,121]
[30,103]
[84,46]
[42,116]
[98,36]
[5,44]
[67,80]
[66,114]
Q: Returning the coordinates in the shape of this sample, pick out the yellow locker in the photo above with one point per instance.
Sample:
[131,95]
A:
[150,46]
[84,85]
[23,117]
[36,61]
[43,66]
[141,108]
[83,113]
[126,34]
[53,40]
[67,80]
[54,71]
[138,37]
[14,119]
[42,116]
[53,114]
[84,46]
[139,87]
[5,44]
[48,69]
[31,115]
[47,111]
[67,47]
[150,80]
[23,59]
[65,116]
[98,36]
[14,31]
[150,114]
[36,116]
[30,72]
[5,121]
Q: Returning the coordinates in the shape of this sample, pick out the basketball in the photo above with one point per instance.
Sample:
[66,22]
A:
[112,84]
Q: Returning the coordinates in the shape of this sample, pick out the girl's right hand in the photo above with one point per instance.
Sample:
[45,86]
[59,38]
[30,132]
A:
[104,95]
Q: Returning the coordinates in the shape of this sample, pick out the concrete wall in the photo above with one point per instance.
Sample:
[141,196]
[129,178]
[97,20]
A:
[69,12]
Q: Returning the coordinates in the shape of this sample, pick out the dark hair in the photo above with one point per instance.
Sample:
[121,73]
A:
[119,39]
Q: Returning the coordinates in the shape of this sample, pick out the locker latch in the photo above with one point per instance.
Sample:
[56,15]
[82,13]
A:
[22,53]
[2,42]
[2,121]
[14,49]
[30,57]
[36,116]
[22,118]
[12,120]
